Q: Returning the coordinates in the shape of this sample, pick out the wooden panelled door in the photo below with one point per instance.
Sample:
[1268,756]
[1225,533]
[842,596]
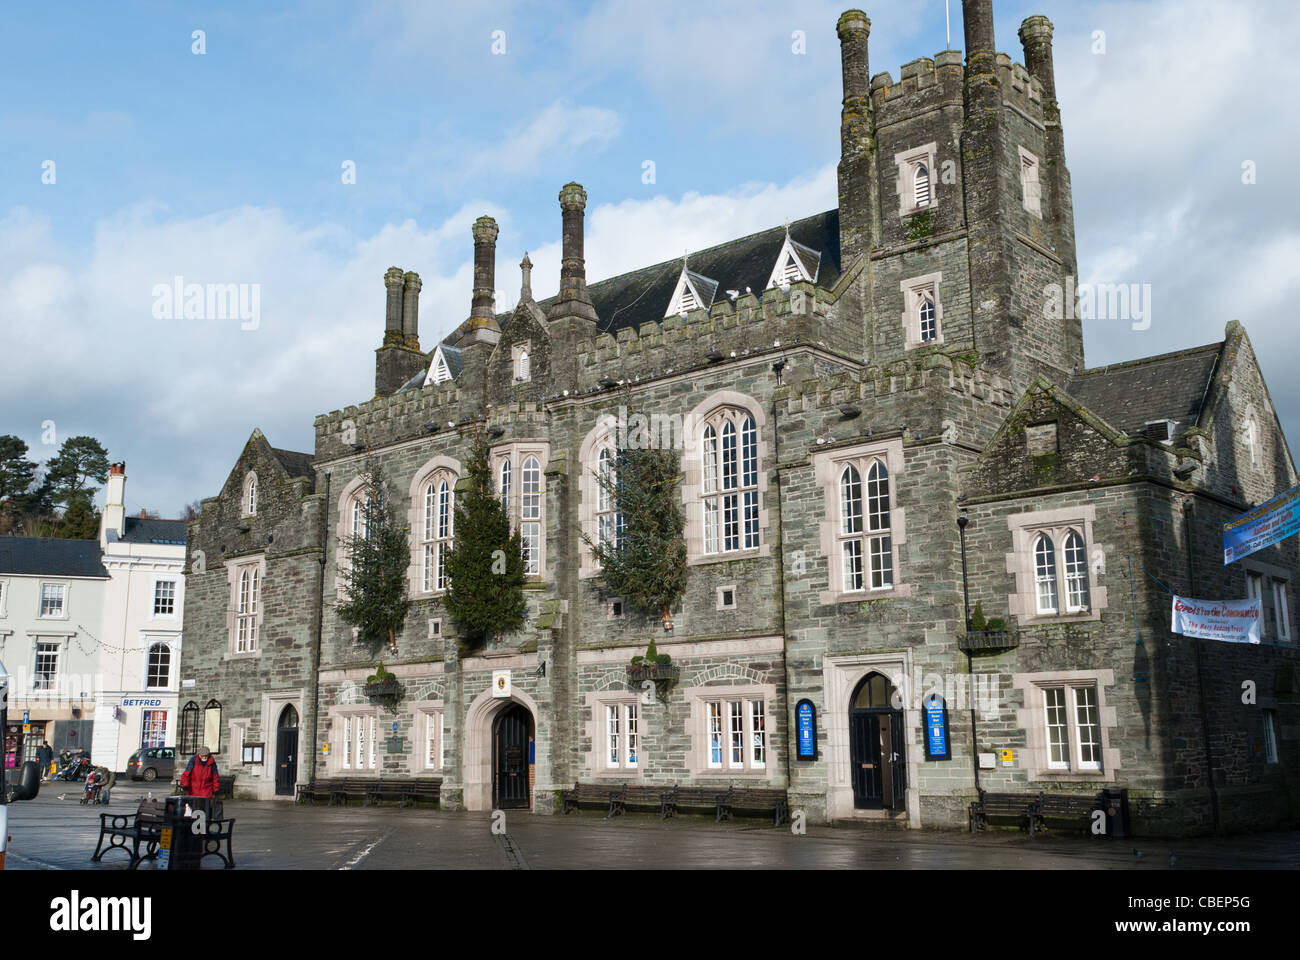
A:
[510,732]
[286,752]
[877,755]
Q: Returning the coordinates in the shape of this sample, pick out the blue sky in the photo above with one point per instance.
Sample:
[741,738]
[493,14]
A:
[225,167]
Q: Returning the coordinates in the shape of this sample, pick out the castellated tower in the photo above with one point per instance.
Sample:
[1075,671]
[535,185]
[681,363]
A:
[952,182]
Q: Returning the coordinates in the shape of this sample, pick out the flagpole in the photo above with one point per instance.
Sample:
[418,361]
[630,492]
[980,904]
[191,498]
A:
[947,24]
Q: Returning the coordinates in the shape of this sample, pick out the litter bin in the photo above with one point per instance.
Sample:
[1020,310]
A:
[181,846]
[1116,807]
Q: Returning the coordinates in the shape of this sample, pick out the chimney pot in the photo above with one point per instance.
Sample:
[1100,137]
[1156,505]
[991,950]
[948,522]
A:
[573,298]
[483,306]
[411,310]
[393,281]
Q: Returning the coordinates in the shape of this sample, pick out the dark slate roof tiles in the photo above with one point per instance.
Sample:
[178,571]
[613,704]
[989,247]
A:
[150,530]
[38,556]
[1171,386]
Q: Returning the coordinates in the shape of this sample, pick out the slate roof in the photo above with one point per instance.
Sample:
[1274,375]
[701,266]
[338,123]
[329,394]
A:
[642,296]
[297,464]
[149,530]
[39,556]
[1171,386]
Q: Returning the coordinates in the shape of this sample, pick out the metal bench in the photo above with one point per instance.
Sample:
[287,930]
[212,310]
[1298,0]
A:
[127,831]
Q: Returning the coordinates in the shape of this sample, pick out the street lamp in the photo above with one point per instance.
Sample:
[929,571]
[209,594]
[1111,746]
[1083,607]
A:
[962,520]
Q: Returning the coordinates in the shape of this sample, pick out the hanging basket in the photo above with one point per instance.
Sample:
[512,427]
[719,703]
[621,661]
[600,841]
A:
[638,672]
[389,689]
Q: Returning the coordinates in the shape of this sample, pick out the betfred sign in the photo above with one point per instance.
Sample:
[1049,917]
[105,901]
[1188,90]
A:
[139,702]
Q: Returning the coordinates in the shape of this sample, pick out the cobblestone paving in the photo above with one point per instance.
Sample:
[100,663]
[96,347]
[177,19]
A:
[60,834]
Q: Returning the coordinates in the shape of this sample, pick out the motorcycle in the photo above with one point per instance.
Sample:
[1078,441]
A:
[78,768]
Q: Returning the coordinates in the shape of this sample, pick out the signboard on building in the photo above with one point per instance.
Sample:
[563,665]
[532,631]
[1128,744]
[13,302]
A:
[500,683]
[1262,527]
[806,719]
[1008,757]
[1236,621]
[936,729]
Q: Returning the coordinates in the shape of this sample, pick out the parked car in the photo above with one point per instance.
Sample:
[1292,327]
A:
[152,763]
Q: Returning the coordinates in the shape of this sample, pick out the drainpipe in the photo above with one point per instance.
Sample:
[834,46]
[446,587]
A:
[320,626]
[962,520]
[780,560]
[1200,673]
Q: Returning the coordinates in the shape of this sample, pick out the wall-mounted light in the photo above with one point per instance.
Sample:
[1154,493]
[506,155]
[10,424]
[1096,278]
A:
[541,670]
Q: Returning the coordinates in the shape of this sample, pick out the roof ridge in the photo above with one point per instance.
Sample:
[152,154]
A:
[1157,358]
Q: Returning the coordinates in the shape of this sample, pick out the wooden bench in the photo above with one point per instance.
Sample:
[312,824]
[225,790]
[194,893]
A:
[765,799]
[698,797]
[142,827]
[1068,808]
[612,795]
[406,792]
[1022,808]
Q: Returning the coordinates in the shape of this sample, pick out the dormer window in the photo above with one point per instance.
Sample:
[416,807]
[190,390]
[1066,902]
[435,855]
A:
[250,495]
[439,371]
[794,263]
[694,292]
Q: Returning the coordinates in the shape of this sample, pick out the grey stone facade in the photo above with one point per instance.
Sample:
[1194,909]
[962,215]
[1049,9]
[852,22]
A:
[830,373]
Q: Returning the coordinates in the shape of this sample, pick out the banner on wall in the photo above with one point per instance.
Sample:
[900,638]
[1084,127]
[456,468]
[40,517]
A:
[1235,621]
[1262,527]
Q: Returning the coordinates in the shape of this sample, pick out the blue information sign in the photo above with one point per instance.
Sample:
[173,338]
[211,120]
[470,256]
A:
[806,720]
[936,728]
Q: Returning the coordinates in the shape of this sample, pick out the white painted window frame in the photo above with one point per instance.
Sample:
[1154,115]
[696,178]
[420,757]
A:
[66,598]
[915,291]
[907,163]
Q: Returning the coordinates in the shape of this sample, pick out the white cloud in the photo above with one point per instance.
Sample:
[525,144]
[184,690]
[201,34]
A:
[555,134]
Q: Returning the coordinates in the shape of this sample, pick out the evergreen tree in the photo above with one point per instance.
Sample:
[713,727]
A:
[485,566]
[16,471]
[645,562]
[376,598]
[76,470]
[79,522]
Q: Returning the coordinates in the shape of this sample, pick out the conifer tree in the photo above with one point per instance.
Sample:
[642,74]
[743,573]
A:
[644,562]
[378,555]
[485,566]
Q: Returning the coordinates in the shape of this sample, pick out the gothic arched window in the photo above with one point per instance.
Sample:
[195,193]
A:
[729,491]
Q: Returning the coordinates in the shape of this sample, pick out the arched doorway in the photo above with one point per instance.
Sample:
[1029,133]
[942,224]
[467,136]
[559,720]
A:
[286,752]
[877,752]
[512,734]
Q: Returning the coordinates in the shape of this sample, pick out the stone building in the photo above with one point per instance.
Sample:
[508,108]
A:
[842,389]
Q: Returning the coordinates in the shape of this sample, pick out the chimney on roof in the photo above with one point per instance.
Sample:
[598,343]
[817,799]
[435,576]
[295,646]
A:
[114,516]
[483,306]
[977,21]
[144,514]
[393,280]
[411,310]
[573,298]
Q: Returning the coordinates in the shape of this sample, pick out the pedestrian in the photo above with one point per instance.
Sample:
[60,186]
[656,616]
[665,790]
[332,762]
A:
[200,776]
[45,759]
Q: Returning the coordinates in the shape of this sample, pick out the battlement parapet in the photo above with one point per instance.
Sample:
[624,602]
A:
[927,81]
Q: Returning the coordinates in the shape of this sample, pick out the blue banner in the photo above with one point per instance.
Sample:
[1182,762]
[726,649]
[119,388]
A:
[1262,527]
[936,733]
[806,716]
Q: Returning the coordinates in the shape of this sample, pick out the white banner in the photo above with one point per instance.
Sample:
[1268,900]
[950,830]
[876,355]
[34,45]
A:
[1236,621]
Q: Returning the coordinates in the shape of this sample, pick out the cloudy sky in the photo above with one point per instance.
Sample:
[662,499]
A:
[228,167]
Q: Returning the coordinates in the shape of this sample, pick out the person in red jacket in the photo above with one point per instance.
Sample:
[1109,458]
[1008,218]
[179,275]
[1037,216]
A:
[200,776]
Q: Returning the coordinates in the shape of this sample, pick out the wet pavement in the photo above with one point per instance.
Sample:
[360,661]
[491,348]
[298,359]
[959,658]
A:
[50,833]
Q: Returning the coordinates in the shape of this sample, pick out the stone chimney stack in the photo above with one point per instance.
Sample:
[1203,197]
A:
[411,310]
[114,516]
[398,358]
[526,283]
[857,180]
[573,300]
[483,305]
[393,306]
